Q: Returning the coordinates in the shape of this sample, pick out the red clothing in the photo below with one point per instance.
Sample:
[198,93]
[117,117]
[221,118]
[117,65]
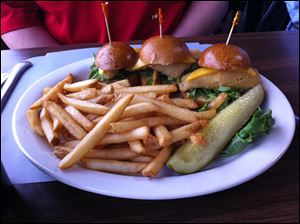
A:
[83,22]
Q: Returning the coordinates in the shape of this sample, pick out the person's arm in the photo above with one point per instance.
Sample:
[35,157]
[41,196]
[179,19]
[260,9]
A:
[29,37]
[201,18]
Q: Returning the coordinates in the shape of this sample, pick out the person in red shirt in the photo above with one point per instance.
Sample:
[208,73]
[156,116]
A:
[26,24]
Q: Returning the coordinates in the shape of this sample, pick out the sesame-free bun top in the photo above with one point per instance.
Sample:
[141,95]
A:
[165,50]
[224,57]
[115,55]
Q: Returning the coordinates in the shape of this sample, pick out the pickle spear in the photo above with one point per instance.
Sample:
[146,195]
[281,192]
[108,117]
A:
[190,158]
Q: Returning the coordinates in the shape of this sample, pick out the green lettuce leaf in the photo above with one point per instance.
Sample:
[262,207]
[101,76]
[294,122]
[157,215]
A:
[209,95]
[163,79]
[147,76]
[193,67]
[260,123]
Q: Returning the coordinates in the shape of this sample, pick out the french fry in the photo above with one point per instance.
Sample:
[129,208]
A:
[117,86]
[65,135]
[66,120]
[114,166]
[46,124]
[34,121]
[123,82]
[84,106]
[106,90]
[172,127]
[138,117]
[52,94]
[136,134]
[139,108]
[218,101]
[151,140]
[185,103]
[136,146]
[142,159]
[187,130]
[181,113]
[102,99]
[96,120]
[70,144]
[77,86]
[57,125]
[114,146]
[163,135]
[80,118]
[121,153]
[115,154]
[96,134]
[100,85]
[61,151]
[46,89]
[165,98]
[84,94]
[152,153]
[198,139]
[111,103]
[136,100]
[158,89]
[92,117]
[180,133]
[124,126]
[154,167]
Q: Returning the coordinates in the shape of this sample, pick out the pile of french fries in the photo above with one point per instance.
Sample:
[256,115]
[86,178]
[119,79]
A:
[116,127]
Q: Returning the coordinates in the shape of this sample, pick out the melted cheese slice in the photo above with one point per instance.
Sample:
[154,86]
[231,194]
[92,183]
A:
[189,60]
[199,73]
[207,71]
[139,65]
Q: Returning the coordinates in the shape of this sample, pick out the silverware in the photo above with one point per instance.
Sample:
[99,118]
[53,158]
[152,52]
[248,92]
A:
[12,80]
[4,76]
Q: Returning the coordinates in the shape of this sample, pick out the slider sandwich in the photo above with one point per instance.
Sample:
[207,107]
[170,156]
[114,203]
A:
[223,68]
[112,60]
[166,58]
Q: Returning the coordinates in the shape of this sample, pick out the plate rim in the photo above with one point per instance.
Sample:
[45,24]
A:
[145,197]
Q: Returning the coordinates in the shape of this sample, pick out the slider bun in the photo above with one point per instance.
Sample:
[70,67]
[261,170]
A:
[224,57]
[235,79]
[115,56]
[163,51]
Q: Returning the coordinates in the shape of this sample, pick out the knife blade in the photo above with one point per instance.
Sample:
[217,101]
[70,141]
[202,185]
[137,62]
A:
[4,76]
[12,80]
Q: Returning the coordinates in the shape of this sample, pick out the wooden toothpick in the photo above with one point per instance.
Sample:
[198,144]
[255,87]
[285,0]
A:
[234,23]
[105,13]
[160,17]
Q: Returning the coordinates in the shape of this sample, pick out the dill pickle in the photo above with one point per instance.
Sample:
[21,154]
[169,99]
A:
[190,158]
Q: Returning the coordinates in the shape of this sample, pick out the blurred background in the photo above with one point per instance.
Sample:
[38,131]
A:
[257,16]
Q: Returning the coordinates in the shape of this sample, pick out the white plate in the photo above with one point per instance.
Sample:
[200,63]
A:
[219,175]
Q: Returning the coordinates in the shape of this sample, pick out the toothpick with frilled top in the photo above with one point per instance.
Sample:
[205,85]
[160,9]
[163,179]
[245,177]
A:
[105,13]
[234,23]
[159,15]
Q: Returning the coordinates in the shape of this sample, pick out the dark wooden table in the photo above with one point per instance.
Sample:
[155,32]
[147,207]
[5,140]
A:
[270,197]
